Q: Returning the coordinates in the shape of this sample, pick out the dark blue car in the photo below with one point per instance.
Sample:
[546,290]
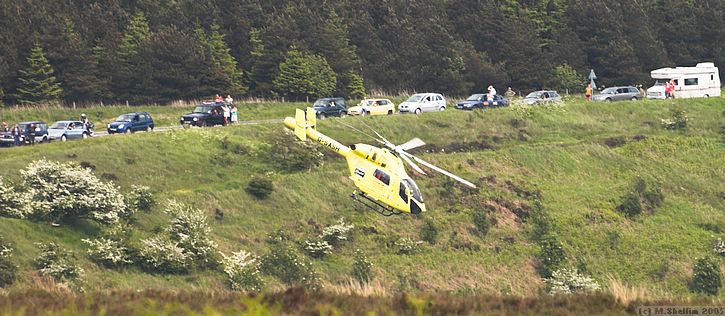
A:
[481,101]
[131,122]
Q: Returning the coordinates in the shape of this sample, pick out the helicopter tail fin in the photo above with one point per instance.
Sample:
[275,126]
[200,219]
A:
[311,118]
[300,125]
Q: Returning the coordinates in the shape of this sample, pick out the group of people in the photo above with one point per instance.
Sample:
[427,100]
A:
[510,93]
[230,110]
[16,132]
[670,89]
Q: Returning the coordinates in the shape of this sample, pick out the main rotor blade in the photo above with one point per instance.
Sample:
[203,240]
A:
[432,166]
[413,165]
[413,143]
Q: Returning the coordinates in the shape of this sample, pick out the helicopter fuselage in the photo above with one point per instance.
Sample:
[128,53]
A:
[377,172]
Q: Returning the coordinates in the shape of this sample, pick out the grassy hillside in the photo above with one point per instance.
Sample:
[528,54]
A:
[577,161]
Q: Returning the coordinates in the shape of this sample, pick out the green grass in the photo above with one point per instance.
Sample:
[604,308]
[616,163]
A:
[560,151]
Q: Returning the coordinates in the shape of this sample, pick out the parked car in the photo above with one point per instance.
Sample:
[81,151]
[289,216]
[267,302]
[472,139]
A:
[480,101]
[67,130]
[423,102]
[373,107]
[325,107]
[542,96]
[39,134]
[618,94]
[131,122]
[206,114]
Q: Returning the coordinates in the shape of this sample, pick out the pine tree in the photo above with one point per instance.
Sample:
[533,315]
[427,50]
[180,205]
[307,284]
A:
[224,63]
[37,82]
[137,34]
[303,75]
[355,86]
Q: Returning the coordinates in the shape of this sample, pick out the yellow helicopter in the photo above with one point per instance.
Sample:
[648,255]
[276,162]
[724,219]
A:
[378,172]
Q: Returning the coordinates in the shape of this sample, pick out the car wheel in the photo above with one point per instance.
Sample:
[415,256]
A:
[343,114]
[417,111]
[149,128]
[63,138]
[85,135]
[363,113]
[634,99]
[608,100]
[202,124]
[390,112]
[128,131]
[44,140]
[441,109]
[707,95]
[321,116]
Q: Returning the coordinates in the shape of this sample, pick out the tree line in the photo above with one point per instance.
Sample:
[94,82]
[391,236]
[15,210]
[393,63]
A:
[148,51]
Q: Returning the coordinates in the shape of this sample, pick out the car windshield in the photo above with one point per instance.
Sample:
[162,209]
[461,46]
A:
[414,191]
[202,109]
[59,125]
[660,82]
[609,91]
[534,95]
[415,98]
[125,118]
[475,97]
[367,102]
[321,102]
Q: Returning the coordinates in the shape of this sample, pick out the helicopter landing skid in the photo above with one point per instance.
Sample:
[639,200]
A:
[374,205]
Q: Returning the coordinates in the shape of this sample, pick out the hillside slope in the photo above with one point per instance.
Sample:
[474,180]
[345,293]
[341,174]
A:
[576,161]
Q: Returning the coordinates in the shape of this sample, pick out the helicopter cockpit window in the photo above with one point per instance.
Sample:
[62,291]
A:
[414,191]
[382,176]
[402,193]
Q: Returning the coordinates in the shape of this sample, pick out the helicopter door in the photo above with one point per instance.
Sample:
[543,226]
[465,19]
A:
[403,192]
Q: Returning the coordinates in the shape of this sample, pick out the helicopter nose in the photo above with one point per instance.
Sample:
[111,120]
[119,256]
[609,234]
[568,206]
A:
[416,208]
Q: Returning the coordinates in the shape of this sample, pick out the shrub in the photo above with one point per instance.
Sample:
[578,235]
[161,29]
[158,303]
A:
[67,190]
[108,252]
[566,281]
[429,232]
[407,246]
[317,249]
[337,233]
[141,198]
[190,229]
[552,255]
[482,222]
[278,236]
[14,203]
[58,264]
[260,187]
[362,268]
[677,122]
[631,205]
[291,155]
[283,263]
[7,268]
[161,254]
[642,197]
[706,277]
[719,247]
[242,270]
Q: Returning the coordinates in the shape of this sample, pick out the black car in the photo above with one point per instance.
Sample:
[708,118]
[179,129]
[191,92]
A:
[39,133]
[207,114]
[480,100]
[325,107]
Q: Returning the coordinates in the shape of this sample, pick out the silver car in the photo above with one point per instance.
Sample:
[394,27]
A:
[542,96]
[423,102]
[618,94]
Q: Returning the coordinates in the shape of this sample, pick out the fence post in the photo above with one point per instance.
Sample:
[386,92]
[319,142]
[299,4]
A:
[126,102]
[74,105]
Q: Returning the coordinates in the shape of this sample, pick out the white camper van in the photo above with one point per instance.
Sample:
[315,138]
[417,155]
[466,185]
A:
[701,81]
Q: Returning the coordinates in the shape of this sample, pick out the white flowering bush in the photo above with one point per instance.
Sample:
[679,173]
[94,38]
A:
[242,270]
[407,246]
[190,229]
[317,249]
[337,233]
[678,121]
[140,198]
[7,268]
[108,252]
[62,190]
[14,203]
[362,268]
[161,254]
[568,281]
[719,247]
[58,264]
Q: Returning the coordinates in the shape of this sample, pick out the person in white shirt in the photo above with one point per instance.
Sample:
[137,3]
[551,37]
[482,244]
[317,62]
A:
[491,92]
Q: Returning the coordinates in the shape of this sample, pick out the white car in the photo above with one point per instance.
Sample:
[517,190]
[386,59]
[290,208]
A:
[423,102]
[373,107]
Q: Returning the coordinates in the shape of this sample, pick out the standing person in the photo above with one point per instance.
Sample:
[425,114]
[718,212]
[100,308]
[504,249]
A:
[491,92]
[673,86]
[16,135]
[30,134]
[510,93]
[225,109]
[235,117]
[5,127]
[87,125]
[668,89]
[588,92]
[229,99]
[218,99]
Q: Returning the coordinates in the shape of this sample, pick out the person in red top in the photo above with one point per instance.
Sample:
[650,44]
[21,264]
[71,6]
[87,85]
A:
[673,85]
[667,89]
[218,98]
